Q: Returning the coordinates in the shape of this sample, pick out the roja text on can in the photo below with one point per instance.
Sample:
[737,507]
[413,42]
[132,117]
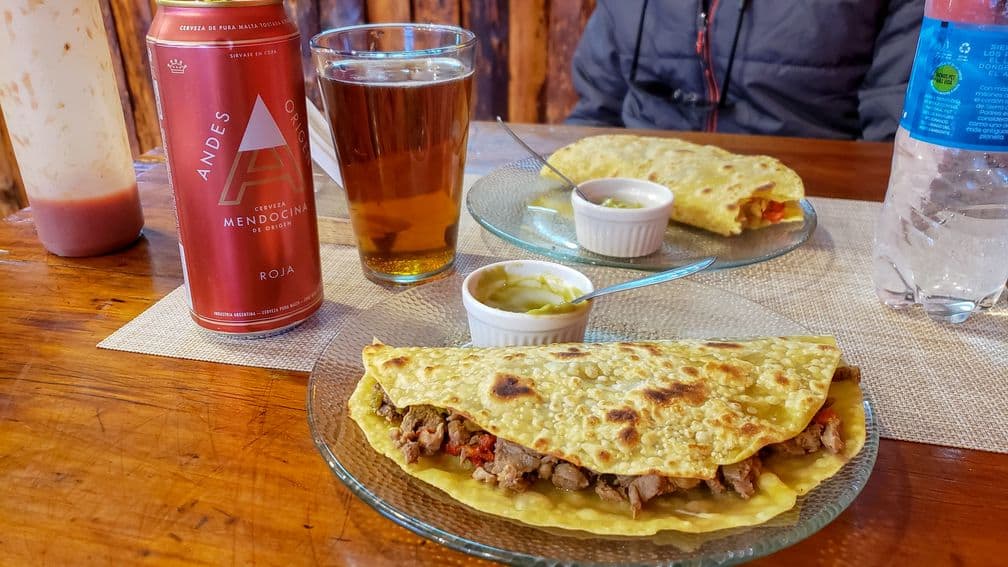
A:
[230,100]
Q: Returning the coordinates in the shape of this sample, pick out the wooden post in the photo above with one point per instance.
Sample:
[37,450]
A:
[488,19]
[388,11]
[567,19]
[437,12]
[132,19]
[527,48]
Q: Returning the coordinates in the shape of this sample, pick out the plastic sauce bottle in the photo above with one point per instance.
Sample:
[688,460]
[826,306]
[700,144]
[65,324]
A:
[942,239]
[59,97]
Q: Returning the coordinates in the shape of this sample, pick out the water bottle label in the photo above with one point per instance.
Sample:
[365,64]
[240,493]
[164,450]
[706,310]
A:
[958,92]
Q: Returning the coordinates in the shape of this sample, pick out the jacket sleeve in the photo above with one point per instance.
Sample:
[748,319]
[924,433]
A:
[596,74]
[880,98]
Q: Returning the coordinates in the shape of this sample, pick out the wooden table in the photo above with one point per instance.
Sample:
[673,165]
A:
[110,457]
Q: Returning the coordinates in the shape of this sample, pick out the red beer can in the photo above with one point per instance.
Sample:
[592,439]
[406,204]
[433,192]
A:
[230,101]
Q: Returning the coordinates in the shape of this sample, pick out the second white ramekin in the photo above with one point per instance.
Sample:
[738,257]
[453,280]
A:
[624,233]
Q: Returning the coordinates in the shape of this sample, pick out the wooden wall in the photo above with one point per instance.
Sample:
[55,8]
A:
[523,71]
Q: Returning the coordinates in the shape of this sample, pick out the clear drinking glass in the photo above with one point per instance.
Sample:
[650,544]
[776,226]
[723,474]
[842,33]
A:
[398,98]
[59,97]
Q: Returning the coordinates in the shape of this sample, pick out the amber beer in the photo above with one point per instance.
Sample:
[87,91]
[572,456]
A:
[400,126]
[230,97]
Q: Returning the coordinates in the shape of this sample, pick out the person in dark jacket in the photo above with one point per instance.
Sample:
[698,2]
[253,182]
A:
[810,68]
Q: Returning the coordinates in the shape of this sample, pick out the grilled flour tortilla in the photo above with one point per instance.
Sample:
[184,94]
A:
[617,438]
[714,189]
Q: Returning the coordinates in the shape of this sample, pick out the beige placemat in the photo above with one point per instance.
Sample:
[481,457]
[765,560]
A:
[931,383]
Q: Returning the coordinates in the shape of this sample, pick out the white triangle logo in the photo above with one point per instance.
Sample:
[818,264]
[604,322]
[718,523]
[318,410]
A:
[262,131]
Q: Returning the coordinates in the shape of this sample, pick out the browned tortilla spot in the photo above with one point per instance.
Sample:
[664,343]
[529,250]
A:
[593,420]
[604,456]
[728,418]
[399,362]
[732,206]
[766,186]
[514,355]
[629,436]
[634,357]
[623,415]
[723,345]
[750,428]
[827,348]
[569,354]
[428,369]
[541,443]
[668,364]
[652,349]
[694,393]
[652,176]
[706,190]
[509,386]
[727,167]
[731,371]
[470,357]
[780,378]
[626,348]
[453,399]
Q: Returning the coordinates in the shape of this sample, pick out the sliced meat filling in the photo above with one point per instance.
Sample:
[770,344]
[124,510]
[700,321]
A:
[513,464]
[822,432]
[742,475]
[421,432]
[425,430]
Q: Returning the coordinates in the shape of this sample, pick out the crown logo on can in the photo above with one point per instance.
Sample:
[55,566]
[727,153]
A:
[177,66]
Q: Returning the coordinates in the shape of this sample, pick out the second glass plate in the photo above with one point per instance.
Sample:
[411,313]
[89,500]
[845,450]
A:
[533,212]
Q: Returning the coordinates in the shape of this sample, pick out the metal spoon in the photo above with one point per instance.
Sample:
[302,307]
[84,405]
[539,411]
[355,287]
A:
[542,160]
[660,277]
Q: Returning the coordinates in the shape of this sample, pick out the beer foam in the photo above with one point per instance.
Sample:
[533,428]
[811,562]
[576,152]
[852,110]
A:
[397,72]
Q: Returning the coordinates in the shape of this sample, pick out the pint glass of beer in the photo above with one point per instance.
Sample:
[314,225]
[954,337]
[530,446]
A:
[398,98]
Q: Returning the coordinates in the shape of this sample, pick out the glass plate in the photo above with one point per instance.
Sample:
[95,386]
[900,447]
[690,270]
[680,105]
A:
[432,315]
[517,204]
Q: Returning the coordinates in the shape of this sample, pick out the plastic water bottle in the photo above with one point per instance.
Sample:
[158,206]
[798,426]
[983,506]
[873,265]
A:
[942,239]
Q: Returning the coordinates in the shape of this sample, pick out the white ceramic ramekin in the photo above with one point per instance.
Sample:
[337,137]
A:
[625,233]
[489,326]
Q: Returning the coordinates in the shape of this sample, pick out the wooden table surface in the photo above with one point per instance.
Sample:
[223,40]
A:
[109,457]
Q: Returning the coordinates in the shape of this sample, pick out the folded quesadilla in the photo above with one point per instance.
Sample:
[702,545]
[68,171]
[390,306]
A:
[714,189]
[617,438]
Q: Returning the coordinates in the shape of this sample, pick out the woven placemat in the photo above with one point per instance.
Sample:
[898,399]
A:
[931,383]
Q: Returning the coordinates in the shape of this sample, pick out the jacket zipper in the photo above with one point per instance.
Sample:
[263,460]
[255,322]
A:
[704,23]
